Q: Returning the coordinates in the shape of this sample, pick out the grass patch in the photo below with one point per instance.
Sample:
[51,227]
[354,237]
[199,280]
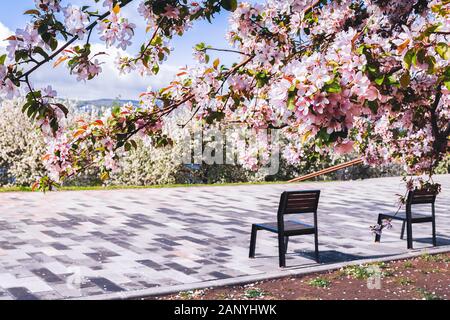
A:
[191,294]
[408,265]
[360,272]
[159,186]
[319,282]
[83,188]
[15,189]
[254,293]
[223,296]
[430,270]
[426,295]
[386,271]
[433,257]
[405,281]
[185,295]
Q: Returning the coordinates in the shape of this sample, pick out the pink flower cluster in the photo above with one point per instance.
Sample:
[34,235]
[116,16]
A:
[7,88]
[87,70]
[24,39]
[58,158]
[76,20]
[116,29]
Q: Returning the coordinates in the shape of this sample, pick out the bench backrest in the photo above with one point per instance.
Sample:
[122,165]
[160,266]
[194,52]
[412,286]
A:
[420,196]
[292,202]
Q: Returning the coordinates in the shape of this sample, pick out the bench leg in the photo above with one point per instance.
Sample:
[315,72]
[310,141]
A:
[316,246]
[378,235]
[281,251]
[433,226]
[286,241]
[409,238]
[253,242]
[402,233]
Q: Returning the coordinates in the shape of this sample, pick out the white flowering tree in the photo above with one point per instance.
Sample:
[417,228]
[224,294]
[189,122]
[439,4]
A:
[21,147]
[341,75]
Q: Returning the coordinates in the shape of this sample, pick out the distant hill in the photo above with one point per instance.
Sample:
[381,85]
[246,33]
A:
[86,104]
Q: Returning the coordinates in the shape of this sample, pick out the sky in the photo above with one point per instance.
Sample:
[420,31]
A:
[110,84]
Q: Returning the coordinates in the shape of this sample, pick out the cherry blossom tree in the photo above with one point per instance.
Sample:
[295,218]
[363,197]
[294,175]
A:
[370,76]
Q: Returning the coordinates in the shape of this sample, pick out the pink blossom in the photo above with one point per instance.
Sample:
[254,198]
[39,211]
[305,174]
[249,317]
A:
[9,89]
[49,92]
[171,12]
[116,29]
[344,147]
[76,20]
[319,77]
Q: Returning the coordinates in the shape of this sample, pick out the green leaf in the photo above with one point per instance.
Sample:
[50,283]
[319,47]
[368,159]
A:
[229,5]
[443,50]
[446,73]
[409,58]
[159,7]
[32,109]
[373,106]
[405,79]
[63,108]
[41,52]
[200,46]
[104,176]
[447,84]
[53,43]
[379,81]
[32,11]
[54,124]
[323,135]
[333,86]
[42,29]
[290,102]
[155,68]
[360,49]
[431,61]
[21,55]
[116,110]
[428,31]
[420,56]
[392,81]
[372,69]
[2,59]
[25,107]
[133,144]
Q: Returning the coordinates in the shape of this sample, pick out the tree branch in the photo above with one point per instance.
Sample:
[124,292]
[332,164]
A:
[186,99]
[227,50]
[440,138]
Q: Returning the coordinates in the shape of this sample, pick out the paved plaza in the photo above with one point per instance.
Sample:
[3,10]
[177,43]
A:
[97,243]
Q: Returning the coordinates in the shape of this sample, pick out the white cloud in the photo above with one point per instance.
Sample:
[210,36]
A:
[4,33]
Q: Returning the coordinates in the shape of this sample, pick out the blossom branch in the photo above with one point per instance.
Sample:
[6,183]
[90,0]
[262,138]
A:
[69,43]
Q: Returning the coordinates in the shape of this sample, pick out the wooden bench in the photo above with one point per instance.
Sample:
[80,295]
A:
[291,202]
[409,217]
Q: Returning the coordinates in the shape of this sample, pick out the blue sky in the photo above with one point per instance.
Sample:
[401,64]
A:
[109,84]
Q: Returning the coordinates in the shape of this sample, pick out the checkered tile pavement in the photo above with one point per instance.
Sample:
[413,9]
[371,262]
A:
[70,244]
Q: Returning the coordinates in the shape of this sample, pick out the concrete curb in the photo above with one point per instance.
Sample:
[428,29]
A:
[136,294]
